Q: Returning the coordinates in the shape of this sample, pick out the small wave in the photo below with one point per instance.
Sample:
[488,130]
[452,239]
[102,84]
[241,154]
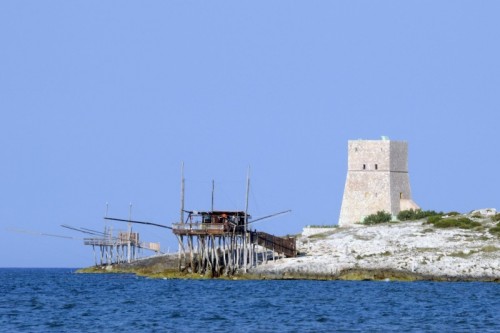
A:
[69,306]
[175,314]
[129,301]
[54,324]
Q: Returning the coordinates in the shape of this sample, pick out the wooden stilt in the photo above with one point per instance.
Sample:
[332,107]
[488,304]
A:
[216,255]
[181,249]
[190,247]
[224,253]
[207,256]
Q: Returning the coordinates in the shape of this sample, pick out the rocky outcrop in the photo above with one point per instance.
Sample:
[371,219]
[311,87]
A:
[412,249]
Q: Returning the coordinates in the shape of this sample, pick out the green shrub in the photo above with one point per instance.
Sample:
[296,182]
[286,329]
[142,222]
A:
[408,215]
[496,217]
[465,223]
[495,230]
[453,213]
[462,223]
[380,217]
[433,219]
[426,213]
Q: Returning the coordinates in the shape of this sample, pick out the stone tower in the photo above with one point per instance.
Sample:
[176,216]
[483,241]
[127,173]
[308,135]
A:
[377,179]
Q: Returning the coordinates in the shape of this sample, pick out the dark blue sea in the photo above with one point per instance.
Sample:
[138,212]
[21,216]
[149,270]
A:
[58,300]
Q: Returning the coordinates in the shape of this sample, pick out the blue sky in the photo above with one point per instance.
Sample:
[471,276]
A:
[101,101]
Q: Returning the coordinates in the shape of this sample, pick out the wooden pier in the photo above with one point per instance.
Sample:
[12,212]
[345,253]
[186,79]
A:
[218,242]
[211,242]
[122,248]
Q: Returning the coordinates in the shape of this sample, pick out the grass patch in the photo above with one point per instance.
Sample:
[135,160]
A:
[490,248]
[363,238]
[495,217]
[426,249]
[495,231]
[461,254]
[461,222]
[323,226]
[321,235]
[383,254]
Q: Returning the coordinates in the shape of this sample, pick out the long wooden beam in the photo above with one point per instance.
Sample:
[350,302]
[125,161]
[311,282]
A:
[139,222]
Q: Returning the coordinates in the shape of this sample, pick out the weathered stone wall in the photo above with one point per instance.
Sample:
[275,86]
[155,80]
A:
[368,155]
[377,179]
[400,189]
[399,156]
[365,192]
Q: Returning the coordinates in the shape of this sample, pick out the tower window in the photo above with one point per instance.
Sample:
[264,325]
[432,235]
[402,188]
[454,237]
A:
[364,166]
[376,166]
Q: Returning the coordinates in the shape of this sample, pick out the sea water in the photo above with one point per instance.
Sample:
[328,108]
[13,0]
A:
[58,300]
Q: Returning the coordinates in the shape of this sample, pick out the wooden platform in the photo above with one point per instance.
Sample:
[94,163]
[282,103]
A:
[198,229]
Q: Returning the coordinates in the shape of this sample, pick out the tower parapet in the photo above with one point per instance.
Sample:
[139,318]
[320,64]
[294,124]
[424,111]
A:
[377,180]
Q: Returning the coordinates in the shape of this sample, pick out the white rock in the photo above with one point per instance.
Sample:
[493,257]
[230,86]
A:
[401,246]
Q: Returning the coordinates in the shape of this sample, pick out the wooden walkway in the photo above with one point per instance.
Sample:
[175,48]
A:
[281,245]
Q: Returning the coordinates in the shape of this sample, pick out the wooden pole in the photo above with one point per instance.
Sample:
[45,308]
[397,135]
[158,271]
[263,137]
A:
[229,253]
[199,254]
[182,193]
[190,245]
[213,192]
[181,249]
[216,255]
[237,248]
[129,232]
[246,224]
[207,255]
[224,252]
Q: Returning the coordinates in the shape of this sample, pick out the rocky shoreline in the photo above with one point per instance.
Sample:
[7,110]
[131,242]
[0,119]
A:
[401,251]
[411,250]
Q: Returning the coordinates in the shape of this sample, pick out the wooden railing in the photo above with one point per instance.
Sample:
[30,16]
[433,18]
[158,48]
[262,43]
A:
[285,245]
[197,228]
